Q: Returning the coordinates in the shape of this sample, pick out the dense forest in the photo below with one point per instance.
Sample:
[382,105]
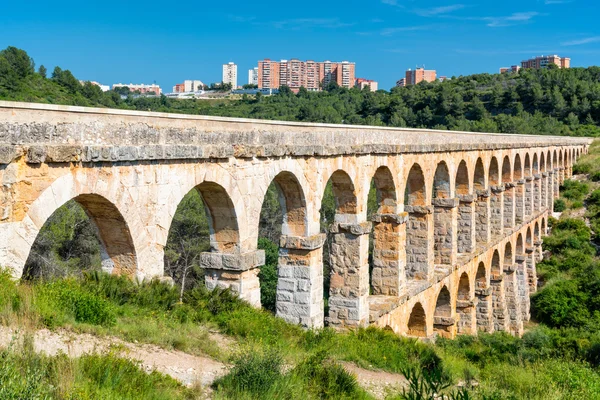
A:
[551,101]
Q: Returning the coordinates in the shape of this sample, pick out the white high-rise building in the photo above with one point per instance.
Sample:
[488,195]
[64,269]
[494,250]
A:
[253,76]
[230,74]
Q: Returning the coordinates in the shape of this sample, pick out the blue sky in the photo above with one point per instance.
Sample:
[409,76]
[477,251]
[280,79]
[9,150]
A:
[145,41]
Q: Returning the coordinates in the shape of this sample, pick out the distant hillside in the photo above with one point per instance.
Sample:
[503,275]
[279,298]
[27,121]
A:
[552,101]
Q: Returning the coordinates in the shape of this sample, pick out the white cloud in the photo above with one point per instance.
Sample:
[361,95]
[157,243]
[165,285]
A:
[304,23]
[391,31]
[578,42]
[430,12]
[514,19]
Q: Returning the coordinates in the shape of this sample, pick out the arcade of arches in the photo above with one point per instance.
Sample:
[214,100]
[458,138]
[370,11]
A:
[456,236]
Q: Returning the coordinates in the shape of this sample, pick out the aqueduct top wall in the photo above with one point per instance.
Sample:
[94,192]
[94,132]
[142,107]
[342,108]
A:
[123,135]
[448,201]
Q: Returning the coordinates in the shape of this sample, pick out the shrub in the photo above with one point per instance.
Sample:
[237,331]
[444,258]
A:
[560,304]
[253,371]
[61,300]
[582,168]
[595,177]
[559,205]
[326,379]
[574,190]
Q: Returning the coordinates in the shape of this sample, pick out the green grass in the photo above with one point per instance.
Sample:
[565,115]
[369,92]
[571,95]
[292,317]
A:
[25,374]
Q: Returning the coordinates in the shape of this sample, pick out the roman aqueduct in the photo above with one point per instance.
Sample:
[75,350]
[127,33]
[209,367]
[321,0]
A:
[456,237]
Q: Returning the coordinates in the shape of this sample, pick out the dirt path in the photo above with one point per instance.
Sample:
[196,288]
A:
[186,368]
[378,383]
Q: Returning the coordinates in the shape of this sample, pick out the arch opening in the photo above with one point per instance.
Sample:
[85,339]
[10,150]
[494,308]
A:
[417,323]
[86,233]
[442,317]
[464,306]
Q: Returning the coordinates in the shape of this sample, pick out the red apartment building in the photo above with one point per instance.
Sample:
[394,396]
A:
[419,75]
[309,74]
[544,61]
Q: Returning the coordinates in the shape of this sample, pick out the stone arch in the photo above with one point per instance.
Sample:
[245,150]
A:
[555,160]
[222,218]
[494,172]
[496,197]
[464,287]
[511,292]
[419,251]
[519,248]
[109,211]
[443,323]
[466,210]
[496,269]
[388,274]
[500,313]
[506,170]
[482,210]
[441,182]
[444,215]
[464,305]
[443,304]
[508,254]
[415,193]
[118,250]
[544,228]
[518,168]
[535,171]
[417,322]
[479,175]
[519,191]
[529,237]
[386,190]
[483,311]
[462,179]
[561,160]
[536,231]
[527,166]
[344,193]
[545,184]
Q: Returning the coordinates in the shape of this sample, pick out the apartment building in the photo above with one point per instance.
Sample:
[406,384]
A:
[230,74]
[513,68]
[416,76]
[308,74]
[253,76]
[362,83]
[188,86]
[142,88]
[544,61]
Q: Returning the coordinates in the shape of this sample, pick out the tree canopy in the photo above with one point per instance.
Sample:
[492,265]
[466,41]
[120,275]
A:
[551,101]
